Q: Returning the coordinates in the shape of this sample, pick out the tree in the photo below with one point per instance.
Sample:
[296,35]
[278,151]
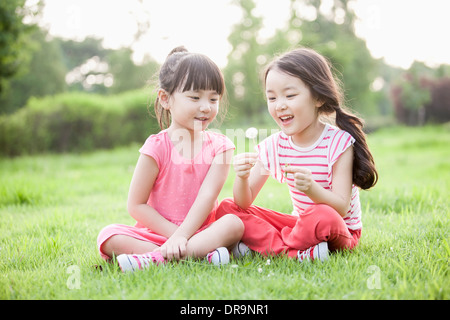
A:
[93,68]
[126,73]
[242,72]
[75,53]
[44,75]
[438,109]
[415,96]
[422,94]
[329,31]
[86,62]
[14,44]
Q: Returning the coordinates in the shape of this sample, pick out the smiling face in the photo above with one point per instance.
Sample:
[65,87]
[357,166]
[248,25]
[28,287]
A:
[193,110]
[292,106]
[190,77]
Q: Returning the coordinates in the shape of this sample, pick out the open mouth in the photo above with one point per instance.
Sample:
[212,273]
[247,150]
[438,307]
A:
[286,119]
[203,119]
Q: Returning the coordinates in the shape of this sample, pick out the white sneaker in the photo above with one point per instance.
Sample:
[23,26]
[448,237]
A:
[134,262]
[240,250]
[219,256]
[319,252]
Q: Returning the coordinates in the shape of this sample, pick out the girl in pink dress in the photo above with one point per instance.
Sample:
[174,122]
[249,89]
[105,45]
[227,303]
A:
[179,174]
[323,165]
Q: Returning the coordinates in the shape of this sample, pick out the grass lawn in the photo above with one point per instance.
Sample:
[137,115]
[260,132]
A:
[53,206]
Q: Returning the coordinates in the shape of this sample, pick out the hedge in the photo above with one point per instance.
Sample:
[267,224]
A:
[77,122]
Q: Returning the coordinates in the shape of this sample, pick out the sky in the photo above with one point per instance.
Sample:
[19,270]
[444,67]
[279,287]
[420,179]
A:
[400,31]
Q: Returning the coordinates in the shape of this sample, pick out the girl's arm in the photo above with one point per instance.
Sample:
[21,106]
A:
[175,247]
[250,178]
[339,197]
[141,185]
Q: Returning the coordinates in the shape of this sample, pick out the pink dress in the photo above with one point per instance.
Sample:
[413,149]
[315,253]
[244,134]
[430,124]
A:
[176,186]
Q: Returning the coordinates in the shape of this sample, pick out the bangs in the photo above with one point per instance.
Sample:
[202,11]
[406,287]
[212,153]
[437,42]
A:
[200,74]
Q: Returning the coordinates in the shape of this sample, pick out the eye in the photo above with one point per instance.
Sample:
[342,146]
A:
[214,98]
[271,99]
[194,98]
[290,96]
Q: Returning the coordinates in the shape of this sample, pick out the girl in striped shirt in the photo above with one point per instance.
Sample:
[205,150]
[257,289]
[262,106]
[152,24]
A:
[324,165]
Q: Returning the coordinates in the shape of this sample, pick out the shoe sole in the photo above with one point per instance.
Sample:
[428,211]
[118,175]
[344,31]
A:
[322,252]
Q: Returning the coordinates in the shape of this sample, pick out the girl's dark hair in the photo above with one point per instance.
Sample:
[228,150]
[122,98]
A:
[185,71]
[315,71]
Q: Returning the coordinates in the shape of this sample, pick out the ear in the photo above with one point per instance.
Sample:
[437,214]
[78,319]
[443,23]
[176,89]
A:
[318,103]
[163,97]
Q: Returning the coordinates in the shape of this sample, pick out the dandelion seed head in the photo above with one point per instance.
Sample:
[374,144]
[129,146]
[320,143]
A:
[251,133]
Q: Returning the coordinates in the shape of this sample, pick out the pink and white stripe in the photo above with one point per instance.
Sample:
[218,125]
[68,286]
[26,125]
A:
[278,150]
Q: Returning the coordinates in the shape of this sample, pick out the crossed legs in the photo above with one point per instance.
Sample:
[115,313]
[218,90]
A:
[224,232]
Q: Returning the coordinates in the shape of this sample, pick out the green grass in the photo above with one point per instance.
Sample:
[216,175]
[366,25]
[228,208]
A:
[53,206]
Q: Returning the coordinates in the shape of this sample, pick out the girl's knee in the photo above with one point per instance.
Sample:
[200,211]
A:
[114,240]
[110,245]
[226,206]
[107,231]
[322,220]
[106,239]
[322,212]
[233,225]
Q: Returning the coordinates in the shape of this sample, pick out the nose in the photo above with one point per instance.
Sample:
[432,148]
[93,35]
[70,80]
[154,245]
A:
[281,105]
[205,106]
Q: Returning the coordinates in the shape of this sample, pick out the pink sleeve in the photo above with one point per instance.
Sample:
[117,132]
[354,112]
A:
[222,143]
[339,143]
[154,147]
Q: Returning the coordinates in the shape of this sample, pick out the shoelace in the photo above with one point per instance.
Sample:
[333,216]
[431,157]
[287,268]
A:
[305,254]
[143,260]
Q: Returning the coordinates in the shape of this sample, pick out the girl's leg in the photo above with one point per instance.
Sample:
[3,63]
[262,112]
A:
[270,232]
[118,238]
[319,223]
[119,244]
[224,232]
[262,226]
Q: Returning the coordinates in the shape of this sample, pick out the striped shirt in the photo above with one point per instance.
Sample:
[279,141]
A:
[278,150]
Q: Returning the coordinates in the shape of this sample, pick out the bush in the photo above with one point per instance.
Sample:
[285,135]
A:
[75,122]
[426,101]
[438,110]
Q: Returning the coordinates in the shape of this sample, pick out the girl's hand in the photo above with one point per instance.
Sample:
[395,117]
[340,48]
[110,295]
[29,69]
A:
[302,178]
[243,164]
[174,248]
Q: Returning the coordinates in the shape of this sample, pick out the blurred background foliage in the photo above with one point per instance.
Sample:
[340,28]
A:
[62,95]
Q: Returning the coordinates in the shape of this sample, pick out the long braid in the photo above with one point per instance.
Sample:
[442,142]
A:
[365,174]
